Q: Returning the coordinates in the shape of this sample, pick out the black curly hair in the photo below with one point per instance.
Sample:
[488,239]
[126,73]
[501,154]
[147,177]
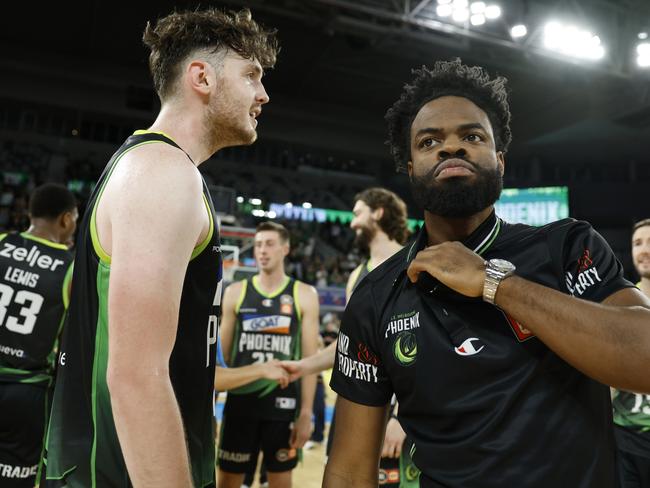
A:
[447,78]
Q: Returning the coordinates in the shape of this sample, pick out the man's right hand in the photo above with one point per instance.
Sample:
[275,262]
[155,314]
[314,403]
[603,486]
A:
[294,369]
[274,370]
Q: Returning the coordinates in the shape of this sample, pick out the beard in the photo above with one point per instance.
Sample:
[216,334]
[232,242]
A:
[457,197]
[224,123]
[364,237]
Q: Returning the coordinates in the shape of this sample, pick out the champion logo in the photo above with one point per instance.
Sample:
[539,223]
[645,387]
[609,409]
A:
[467,348]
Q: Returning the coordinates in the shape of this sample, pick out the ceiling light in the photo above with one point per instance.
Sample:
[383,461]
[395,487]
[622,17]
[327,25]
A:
[460,15]
[572,41]
[443,10]
[518,30]
[477,7]
[477,19]
[493,12]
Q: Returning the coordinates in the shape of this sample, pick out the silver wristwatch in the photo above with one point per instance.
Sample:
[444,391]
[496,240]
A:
[496,270]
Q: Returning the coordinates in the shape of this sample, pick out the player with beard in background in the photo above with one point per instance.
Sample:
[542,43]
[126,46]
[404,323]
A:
[380,226]
[497,339]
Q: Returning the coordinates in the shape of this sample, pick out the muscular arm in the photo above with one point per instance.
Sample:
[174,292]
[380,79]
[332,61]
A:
[354,458]
[152,237]
[229,318]
[309,302]
[608,341]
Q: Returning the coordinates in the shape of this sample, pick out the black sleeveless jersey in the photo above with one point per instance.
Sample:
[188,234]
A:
[34,279]
[268,327]
[82,446]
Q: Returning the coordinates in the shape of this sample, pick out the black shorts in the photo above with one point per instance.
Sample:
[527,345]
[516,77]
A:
[389,472]
[241,440]
[24,410]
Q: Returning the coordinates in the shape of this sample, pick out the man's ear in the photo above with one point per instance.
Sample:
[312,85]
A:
[409,168]
[200,76]
[501,161]
[377,214]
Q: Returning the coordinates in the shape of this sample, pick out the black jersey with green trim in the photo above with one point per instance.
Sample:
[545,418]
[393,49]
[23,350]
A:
[268,327]
[34,279]
[486,403]
[82,445]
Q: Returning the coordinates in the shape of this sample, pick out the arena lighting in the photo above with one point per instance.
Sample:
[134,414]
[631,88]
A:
[642,35]
[477,7]
[462,10]
[477,19]
[518,30]
[306,205]
[255,201]
[572,41]
[271,214]
[240,199]
[643,55]
[492,12]
[460,15]
[444,10]
[258,212]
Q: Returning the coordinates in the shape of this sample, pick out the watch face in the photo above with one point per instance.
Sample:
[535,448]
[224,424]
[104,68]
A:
[502,265]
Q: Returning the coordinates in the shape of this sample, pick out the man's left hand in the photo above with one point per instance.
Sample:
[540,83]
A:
[452,264]
[301,431]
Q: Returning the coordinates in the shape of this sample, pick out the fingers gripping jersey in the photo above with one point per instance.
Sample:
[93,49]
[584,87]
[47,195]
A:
[34,278]
[82,447]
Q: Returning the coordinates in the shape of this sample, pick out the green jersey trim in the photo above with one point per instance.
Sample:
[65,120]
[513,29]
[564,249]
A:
[2,236]
[487,242]
[242,295]
[199,249]
[65,288]
[44,241]
[101,357]
[273,294]
[39,473]
[94,237]
[36,378]
[140,132]
[355,274]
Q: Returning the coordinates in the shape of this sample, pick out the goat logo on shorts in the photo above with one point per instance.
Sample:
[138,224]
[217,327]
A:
[405,349]
[285,454]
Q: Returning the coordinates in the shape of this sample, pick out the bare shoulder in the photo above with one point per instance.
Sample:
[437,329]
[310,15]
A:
[233,291]
[306,293]
[158,169]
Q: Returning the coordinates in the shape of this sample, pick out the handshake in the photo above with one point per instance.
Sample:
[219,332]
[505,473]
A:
[284,372]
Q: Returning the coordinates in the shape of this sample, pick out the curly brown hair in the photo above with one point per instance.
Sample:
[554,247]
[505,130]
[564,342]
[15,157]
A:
[179,34]
[394,220]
